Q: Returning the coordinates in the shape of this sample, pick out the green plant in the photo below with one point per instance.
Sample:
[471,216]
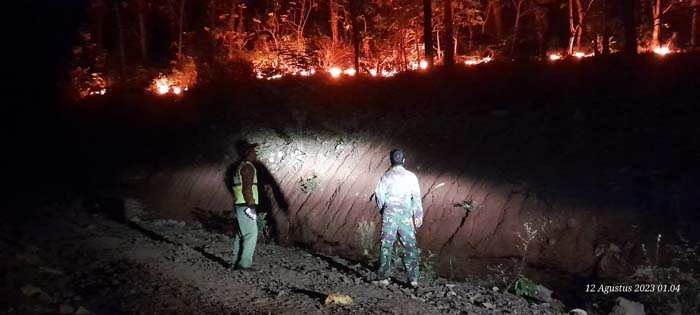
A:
[525,240]
[525,287]
[263,228]
[666,298]
[309,184]
[365,233]
[513,276]
[500,275]
[427,265]
[397,255]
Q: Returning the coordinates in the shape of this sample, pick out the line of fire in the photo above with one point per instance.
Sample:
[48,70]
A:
[162,46]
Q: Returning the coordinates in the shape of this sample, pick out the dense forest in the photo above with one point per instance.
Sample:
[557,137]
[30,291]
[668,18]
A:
[128,43]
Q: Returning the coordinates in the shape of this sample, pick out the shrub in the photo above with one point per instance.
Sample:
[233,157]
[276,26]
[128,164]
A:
[365,234]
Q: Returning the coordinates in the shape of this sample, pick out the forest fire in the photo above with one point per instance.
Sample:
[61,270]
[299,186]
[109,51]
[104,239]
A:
[335,72]
[299,38]
[99,92]
[89,84]
[580,54]
[555,57]
[662,50]
[164,85]
[472,61]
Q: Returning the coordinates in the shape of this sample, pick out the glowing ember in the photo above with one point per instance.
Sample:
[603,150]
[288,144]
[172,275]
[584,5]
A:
[475,60]
[423,64]
[662,51]
[350,71]
[554,57]
[389,73]
[99,92]
[88,84]
[177,90]
[335,72]
[580,55]
[373,72]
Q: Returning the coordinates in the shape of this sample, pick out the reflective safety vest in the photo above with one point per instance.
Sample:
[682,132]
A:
[238,185]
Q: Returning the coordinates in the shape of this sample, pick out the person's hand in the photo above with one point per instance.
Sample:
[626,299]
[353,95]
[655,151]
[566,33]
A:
[418,222]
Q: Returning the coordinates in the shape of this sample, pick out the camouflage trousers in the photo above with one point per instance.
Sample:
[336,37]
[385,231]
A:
[398,225]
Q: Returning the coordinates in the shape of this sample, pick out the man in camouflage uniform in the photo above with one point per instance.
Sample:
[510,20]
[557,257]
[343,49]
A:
[398,197]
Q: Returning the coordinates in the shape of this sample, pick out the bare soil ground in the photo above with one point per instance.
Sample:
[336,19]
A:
[66,261]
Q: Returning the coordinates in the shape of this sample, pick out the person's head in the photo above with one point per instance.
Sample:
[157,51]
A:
[397,157]
[246,150]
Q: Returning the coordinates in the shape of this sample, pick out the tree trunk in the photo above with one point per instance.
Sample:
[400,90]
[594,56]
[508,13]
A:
[572,28]
[402,43]
[606,30]
[456,36]
[300,26]
[334,27]
[596,51]
[542,17]
[516,27]
[100,19]
[471,39]
[656,34]
[497,9]
[580,26]
[354,13]
[142,9]
[181,29]
[694,27]
[487,15]
[120,35]
[630,27]
[417,49]
[428,31]
[439,50]
[449,35]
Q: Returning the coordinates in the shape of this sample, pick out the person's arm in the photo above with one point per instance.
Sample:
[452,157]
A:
[247,175]
[380,193]
[417,203]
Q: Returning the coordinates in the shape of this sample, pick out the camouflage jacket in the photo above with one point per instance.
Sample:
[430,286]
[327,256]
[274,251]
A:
[398,190]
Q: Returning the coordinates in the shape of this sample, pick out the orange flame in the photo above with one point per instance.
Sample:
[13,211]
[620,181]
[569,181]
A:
[335,72]
[555,57]
[662,51]
[163,85]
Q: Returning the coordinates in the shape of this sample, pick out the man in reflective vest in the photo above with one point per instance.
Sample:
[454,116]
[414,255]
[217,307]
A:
[245,193]
[398,197]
